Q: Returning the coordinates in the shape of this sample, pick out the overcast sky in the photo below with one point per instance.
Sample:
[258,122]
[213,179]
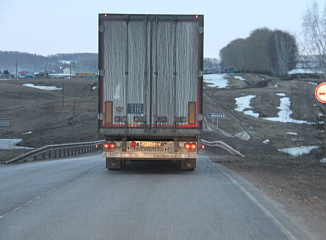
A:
[70,26]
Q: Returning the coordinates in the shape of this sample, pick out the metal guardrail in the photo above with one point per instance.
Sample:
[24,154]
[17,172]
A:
[73,149]
[59,151]
[222,145]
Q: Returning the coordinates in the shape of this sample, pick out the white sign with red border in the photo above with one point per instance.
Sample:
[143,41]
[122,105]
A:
[320,92]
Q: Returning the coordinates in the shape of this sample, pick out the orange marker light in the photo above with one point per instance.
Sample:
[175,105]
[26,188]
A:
[105,15]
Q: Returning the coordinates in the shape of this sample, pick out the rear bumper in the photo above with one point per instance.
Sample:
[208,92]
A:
[149,156]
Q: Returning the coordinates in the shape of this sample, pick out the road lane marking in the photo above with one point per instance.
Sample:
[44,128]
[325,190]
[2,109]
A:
[17,208]
[259,205]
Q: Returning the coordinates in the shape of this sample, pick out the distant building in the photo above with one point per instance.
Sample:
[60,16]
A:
[5,75]
[67,71]
[29,75]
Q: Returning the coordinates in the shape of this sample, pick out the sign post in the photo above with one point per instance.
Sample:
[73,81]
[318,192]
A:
[217,116]
[320,94]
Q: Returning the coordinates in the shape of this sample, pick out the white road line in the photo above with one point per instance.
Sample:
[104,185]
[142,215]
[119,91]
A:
[259,205]
[17,208]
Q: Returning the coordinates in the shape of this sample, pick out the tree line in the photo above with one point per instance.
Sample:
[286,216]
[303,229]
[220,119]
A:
[33,62]
[264,51]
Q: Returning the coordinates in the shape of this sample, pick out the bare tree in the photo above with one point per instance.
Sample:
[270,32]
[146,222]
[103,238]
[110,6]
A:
[283,52]
[314,29]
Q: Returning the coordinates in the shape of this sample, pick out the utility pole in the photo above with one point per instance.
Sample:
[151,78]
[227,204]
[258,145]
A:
[72,121]
[63,94]
[16,71]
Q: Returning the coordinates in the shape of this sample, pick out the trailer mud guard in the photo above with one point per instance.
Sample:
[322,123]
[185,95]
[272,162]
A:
[188,164]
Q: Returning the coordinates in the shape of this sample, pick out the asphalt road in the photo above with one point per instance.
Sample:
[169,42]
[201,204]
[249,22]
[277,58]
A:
[78,198]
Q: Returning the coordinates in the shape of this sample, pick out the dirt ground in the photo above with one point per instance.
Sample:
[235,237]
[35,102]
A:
[298,183]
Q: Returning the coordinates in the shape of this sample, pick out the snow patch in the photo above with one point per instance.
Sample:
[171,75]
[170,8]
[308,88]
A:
[297,151]
[266,141]
[294,71]
[322,160]
[281,94]
[216,80]
[47,88]
[292,133]
[11,144]
[29,132]
[244,103]
[240,78]
[94,87]
[312,83]
[285,113]
[243,135]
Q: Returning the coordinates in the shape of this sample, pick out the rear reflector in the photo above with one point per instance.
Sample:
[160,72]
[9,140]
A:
[108,112]
[191,113]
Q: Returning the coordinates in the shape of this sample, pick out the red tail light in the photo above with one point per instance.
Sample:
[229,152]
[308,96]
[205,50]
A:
[112,145]
[187,145]
[194,145]
[133,144]
[96,146]
[203,146]
[106,145]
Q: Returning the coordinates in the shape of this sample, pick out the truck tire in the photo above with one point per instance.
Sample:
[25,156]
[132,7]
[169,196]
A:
[188,164]
[113,164]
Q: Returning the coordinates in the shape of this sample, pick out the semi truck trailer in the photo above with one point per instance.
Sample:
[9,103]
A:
[150,88]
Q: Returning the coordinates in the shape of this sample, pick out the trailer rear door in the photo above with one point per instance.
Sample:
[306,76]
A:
[150,71]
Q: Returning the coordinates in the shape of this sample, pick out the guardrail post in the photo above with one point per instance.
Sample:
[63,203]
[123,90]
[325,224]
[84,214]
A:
[44,155]
[60,153]
[35,157]
[49,154]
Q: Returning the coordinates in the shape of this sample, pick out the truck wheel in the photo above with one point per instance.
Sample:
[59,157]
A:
[188,164]
[113,164]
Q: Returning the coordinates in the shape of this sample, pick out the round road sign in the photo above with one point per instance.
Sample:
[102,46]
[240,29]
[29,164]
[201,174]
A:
[320,92]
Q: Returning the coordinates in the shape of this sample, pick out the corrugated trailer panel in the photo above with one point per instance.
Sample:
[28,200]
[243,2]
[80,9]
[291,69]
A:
[114,63]
[187,67]
[151,67]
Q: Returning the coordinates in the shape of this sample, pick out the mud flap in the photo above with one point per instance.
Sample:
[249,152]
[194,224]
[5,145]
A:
[113,164]
[188,164]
